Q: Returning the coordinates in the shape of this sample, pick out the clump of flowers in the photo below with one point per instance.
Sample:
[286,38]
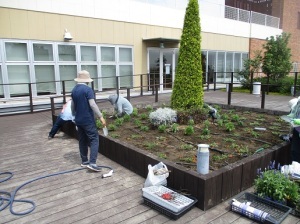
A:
[163,116]
[276,186]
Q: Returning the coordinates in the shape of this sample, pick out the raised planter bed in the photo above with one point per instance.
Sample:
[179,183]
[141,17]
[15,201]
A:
[210,189]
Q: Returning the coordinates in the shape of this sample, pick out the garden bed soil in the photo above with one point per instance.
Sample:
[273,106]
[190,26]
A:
[253,132]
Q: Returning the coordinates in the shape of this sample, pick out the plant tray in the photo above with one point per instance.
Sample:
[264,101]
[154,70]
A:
[176,204]
[167,212]
[278,212]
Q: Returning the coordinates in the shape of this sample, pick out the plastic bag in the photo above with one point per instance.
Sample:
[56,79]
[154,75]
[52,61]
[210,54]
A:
[157,175]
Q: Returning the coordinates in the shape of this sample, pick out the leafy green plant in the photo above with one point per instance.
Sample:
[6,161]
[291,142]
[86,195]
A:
[220,157]
[112,127]
[255,134]
[276,186]
[213,144]
[174,128]
[119,121]
[126,118]
[189,130]
[228,140]
[135,136]
[113,135]
[162,155]
[229,126]
[144,116]
[204,137]
[205,131]
[186,147]
[162,128]
[137,122]
[144,128]
[150,145]
[134,112]
[149,108]
[191,122]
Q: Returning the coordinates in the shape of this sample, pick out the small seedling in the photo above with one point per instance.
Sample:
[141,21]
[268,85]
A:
[162,155]
[174,128]
[229,126]
[134,112]
[189,130]
[144,128]
[112,127]
[162,128]
[186,147]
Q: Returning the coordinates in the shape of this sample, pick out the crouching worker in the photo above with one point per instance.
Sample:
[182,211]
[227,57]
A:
[121,105]
[64,116]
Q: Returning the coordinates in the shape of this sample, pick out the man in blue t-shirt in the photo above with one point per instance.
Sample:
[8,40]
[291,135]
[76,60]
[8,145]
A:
[83,108]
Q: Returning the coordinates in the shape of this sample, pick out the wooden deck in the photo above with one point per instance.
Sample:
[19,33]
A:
[81,196]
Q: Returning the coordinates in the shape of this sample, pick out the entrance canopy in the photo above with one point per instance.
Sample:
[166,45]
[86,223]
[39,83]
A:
[161,40]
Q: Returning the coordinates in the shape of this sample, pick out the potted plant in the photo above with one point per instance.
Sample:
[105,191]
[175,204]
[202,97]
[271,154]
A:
[274,185]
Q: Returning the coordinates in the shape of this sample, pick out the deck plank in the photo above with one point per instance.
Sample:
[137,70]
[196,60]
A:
[81,196]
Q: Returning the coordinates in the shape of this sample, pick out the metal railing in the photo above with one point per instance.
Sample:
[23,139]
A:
[151,85]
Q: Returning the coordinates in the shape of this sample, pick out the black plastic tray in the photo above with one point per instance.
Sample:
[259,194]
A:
[277,211]
[168,212]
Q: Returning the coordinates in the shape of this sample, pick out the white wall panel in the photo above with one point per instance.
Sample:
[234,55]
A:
[212,14]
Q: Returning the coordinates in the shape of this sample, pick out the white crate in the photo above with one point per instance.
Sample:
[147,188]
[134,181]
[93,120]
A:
[176,204]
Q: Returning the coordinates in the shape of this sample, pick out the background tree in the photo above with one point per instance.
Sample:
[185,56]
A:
[277,57]
[188,90]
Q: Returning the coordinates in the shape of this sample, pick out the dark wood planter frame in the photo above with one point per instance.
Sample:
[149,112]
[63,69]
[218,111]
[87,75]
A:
[210,189]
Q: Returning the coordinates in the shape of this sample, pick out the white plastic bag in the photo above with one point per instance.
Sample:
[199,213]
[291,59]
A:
[157,175]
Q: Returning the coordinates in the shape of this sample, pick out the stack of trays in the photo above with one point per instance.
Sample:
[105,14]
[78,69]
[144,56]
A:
[174,206]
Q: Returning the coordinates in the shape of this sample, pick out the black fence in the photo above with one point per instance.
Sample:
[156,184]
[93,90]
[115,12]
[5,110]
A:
[147,83]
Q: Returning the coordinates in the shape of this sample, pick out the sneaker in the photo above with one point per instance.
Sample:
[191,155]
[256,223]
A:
[50,137]
[94,167]
[85,164]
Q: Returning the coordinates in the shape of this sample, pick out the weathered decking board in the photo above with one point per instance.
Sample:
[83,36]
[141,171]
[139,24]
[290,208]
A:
[82,196]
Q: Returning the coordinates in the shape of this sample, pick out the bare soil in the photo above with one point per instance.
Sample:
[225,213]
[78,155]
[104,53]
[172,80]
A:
[226,146]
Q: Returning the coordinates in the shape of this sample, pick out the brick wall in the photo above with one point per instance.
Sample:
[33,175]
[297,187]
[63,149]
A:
[291,8]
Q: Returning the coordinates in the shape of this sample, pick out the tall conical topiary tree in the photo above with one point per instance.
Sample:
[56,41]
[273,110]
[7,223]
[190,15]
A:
[188,90]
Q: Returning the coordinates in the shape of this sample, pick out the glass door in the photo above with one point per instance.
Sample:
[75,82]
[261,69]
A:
[161,68]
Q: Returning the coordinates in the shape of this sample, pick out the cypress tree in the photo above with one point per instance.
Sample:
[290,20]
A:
[188,90]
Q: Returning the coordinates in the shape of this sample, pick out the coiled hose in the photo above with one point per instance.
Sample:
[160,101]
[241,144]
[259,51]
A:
[10,197]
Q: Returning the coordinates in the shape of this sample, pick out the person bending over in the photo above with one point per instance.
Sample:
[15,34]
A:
[121,105]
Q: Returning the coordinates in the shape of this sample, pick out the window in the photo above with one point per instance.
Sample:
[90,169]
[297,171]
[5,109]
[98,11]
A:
[126,73]
[18,74]
[68,73]
[16,51]
[125,54]
[88,53]
[108,54]
[108,74]
[1,86]
[45,79]
[92,69]
[42,52]
[67,53]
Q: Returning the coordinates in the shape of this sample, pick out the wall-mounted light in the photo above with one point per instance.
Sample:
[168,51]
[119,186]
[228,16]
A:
[67,35]
[161,45]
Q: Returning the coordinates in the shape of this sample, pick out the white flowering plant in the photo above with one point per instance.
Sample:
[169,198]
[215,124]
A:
[163,116]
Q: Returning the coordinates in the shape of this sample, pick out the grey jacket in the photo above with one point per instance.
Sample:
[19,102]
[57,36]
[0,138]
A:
[121,105]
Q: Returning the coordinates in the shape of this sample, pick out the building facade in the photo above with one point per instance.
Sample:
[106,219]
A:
[287,11]
[122,43]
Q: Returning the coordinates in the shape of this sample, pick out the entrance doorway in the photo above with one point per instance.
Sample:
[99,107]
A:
[161,68]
